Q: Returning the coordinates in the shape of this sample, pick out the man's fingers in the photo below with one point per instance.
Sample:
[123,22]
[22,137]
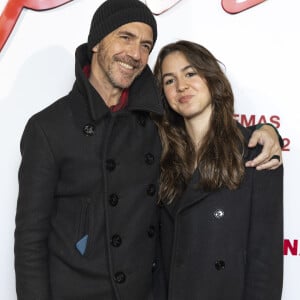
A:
[262,162]
[262,158]
[271,155]
[270,165]
[254,139]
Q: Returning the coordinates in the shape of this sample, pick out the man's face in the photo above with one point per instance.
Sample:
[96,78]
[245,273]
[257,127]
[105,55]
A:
[122,55]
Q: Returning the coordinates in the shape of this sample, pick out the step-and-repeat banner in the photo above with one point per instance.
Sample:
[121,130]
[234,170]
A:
[257,40]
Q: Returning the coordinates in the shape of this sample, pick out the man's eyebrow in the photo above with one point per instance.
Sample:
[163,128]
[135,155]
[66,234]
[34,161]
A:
[130,34]
[125,32]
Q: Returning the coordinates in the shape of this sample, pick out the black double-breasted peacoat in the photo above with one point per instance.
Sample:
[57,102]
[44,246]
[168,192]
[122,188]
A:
[87,222]
[226,245]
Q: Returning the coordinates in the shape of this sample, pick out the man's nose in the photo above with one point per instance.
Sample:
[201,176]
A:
[134,50]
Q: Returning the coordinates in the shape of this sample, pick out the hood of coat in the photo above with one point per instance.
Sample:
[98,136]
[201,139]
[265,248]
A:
[144,94]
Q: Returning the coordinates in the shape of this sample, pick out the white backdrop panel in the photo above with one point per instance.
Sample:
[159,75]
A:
[259,48]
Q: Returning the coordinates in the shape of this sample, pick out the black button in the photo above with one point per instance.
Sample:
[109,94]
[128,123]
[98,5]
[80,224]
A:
[116,240]
[151,190]
[141,119]
[113,199]
[110,165]
[89,129]
[220,265]
[151,231]
[149,158]
[119,277]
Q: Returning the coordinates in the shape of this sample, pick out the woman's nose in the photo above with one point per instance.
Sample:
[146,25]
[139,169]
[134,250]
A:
[182,85]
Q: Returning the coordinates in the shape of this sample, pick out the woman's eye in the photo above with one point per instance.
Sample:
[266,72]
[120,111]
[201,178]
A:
[169,81]
[191,74]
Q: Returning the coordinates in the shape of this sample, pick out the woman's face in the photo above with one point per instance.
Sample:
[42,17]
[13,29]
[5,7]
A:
[186,91]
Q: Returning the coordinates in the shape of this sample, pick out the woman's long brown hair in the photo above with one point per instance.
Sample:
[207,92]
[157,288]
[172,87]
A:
[220,156]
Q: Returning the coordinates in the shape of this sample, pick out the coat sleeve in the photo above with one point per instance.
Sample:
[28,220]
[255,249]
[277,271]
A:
[37,181]
[264,257]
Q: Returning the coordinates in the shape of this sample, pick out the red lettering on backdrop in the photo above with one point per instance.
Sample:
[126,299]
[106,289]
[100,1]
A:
[13,10]
[286,144]
[248,120]
[275,120]
[236,6]
[290,247]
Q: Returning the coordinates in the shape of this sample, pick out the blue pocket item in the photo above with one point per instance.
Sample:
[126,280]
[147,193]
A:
[81,244]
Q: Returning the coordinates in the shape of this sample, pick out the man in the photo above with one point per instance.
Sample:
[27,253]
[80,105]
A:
[87,221]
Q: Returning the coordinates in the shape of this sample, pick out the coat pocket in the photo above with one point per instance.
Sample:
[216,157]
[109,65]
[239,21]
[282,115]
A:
[85,235]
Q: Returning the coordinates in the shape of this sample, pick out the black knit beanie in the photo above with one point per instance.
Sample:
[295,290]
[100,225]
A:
[114,13]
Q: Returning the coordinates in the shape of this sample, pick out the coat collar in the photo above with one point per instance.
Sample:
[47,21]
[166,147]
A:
[143,93]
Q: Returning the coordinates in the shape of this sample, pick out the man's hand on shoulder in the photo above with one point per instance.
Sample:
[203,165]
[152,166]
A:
[271,156]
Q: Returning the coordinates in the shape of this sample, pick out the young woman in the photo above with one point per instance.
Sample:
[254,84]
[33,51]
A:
[221,223]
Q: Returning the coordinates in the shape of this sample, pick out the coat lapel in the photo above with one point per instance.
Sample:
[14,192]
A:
[191,195]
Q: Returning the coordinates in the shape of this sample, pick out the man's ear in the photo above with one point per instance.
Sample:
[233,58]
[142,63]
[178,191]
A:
[96,48]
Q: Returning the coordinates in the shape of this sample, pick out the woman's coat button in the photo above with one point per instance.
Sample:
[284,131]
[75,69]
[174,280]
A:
[219,213]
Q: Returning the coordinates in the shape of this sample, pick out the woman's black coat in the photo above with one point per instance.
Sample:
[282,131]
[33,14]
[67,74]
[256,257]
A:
[226,245]
[87,221]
